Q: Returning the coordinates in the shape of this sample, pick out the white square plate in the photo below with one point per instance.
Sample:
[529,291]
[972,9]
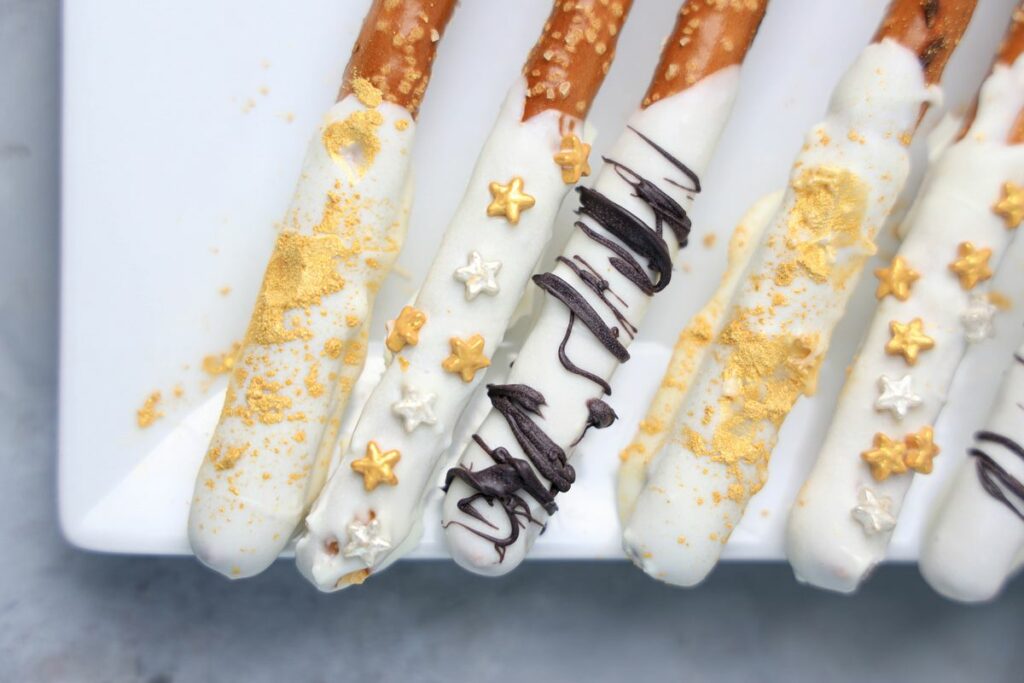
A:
[184,126]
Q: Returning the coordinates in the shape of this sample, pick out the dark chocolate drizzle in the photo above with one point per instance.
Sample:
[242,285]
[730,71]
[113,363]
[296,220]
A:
[627,238]
[996,481]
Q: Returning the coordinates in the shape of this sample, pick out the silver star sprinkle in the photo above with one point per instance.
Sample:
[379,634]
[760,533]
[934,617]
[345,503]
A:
[977,319]
[897,396]
[415,408]
[366,541]
[479,276]
[872,512]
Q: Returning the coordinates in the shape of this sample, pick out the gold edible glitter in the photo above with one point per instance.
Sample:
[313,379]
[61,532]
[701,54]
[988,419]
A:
[225,459]
[148,414]
[359,129]
[333,347]
[827,215]
[301,271]
[312,381]
[366,92]
[221,363]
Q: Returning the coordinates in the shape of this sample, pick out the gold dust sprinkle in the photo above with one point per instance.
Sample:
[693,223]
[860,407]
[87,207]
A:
[886,457]
[573,158]
[406,329]
[365,91]
[358,133]
[333,347]
[301,272]
[908,340]
[221,363]
[225,459]
[466,358]
[377,466]
[509,200]
[971,265]
[148,413]
[896,279]
[1011,206]
[312,381]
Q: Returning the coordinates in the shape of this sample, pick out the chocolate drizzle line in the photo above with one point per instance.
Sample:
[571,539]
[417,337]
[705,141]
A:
[626,237]
[996,481]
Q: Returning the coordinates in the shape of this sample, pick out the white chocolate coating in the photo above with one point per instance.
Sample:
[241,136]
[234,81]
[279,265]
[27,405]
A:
[974,542]
[843,186]
[687,125]
[272,447]
[690,350]
[825,545]
[514,149]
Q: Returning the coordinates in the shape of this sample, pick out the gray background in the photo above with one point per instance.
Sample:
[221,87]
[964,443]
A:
[71,616]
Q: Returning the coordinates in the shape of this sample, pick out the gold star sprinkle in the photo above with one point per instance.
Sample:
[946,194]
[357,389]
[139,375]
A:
[509,200]
[972,265]
[467,357]
[896,279]
[908,340]
[377,467]
[886,457]
[406,329]
[1011,207]
[574,158]
[921,450]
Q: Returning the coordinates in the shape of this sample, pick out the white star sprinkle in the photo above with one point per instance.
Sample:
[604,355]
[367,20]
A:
[977,319]
[415,408]
[479,276]
[366,541]
[897,396]
[872,512]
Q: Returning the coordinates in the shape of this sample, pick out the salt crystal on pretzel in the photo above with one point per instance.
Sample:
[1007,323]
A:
[306,340]
[843,186]
[447,336]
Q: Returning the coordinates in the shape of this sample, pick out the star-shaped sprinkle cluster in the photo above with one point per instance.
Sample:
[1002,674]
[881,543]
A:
[479,276]
[415,408]
[1010,207]
[977,319]
[888,456]
[885,457]
[971,265]
[406,329]
[509,200]
[377,466]
[873,512]
[467,357]
[908,340]
[897,396]
[573,158]
[896,280]
[366,541]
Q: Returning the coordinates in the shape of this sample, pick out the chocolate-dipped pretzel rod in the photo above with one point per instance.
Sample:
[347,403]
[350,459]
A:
[306,340]
[932,303]
[369,513]
[631,227]
[975,540]
[779,321]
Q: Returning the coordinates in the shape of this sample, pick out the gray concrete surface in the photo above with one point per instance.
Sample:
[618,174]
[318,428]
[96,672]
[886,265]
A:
[71,616]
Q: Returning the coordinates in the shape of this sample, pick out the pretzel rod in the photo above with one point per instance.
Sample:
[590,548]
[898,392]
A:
[843,186]
[306,340]
[976,536]
[369,512]
[632,225]
[688,354]
[934,289]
